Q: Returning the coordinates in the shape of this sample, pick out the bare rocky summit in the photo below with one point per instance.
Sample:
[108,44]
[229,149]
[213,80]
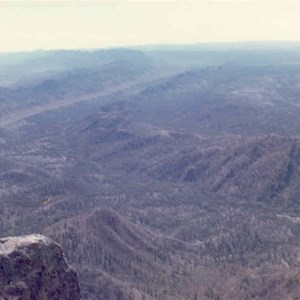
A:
[33,267]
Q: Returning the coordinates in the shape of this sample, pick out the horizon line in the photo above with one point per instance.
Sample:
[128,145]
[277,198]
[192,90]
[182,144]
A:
[135,46]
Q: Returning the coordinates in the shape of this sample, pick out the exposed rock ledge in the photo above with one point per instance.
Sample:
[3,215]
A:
[33,267]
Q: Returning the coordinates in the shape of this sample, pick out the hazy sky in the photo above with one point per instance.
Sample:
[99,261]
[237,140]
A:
[28,25]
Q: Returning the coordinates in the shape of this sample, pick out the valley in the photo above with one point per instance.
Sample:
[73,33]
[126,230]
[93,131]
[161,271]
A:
[164,174]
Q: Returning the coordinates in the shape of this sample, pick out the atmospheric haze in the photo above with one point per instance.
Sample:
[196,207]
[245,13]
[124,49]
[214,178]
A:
[30,25]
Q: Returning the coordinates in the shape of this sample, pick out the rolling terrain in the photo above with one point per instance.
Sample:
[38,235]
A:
[163,173]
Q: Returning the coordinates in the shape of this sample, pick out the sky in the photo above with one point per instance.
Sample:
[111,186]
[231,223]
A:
[30,25]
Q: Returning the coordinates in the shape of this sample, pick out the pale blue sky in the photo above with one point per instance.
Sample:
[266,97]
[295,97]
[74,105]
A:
[26,25]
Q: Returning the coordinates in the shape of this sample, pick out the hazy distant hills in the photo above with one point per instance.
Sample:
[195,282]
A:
[208,54]
[165,173]
[229,99]
[69,84]
[25,66]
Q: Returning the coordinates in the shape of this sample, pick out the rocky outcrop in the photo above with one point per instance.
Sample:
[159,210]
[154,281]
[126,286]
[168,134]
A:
[33,267]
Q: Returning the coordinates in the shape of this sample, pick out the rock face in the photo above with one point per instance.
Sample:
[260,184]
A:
[33,267]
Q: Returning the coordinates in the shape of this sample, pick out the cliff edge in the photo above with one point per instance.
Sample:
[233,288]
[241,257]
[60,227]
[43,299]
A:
[33,267]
